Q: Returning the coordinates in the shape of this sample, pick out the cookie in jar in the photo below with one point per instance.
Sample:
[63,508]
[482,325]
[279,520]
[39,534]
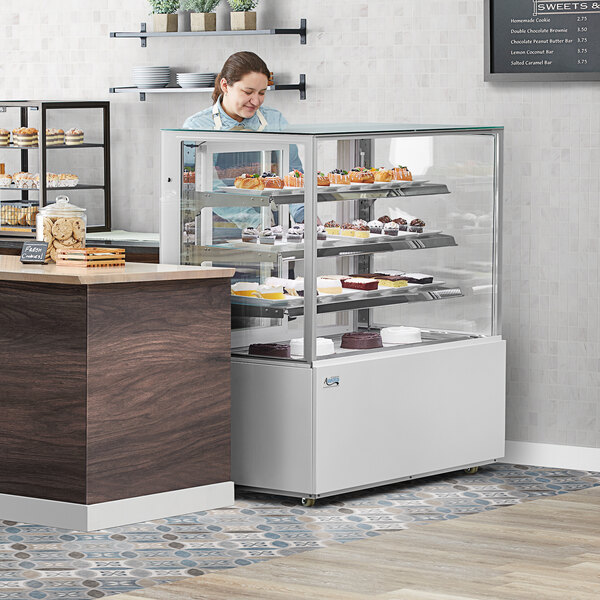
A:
[62,225]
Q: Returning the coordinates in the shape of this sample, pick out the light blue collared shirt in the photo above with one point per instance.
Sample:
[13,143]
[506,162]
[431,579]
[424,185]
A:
[204,120]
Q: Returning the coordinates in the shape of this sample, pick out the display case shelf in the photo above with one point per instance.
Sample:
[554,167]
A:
[143,34]
[55,147]
[252,253]
[193,199]
[256,307]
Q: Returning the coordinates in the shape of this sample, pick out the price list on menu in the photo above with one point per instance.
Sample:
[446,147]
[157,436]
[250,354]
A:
[534,37]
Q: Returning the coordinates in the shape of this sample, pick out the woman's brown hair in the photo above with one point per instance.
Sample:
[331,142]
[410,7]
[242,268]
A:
[236,67]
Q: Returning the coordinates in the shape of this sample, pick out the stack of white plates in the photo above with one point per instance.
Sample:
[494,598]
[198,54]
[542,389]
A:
[195,80]
[151,77]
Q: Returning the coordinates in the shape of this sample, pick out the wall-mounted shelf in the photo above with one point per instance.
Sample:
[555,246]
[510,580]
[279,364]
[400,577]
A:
[301,86]
[143,34]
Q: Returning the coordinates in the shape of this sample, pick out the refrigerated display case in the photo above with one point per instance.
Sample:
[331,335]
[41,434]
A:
[403,374]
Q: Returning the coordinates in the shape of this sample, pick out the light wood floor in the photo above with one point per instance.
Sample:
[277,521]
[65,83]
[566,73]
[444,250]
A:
[547,549]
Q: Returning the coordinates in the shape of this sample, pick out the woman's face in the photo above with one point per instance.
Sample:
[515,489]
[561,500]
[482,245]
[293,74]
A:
[245,96]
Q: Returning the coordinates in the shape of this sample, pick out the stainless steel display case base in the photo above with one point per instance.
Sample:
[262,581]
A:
[394,416]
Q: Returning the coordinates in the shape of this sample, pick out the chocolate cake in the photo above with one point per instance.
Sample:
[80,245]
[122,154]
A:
[279,350]
[360,283]
[361,340]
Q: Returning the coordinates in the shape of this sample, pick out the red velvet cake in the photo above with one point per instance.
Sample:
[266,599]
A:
[360,283]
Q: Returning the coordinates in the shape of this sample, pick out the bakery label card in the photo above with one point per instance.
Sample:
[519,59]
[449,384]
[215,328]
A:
[34,252]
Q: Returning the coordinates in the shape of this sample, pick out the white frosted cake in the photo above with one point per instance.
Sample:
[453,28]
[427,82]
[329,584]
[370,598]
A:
[324,347]
[391,336]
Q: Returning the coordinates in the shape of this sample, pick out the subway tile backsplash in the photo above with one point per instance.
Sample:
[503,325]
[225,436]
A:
[395,60]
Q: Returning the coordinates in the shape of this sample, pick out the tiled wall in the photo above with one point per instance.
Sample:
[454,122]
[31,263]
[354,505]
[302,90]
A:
[395,60]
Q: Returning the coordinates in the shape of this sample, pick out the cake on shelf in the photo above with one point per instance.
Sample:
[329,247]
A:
[4,137]
[55,137]
[74,137]
[276,350]
[400,335]
[25,136]
[361,340]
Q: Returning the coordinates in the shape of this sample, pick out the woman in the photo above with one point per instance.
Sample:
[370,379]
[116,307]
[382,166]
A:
[238,100]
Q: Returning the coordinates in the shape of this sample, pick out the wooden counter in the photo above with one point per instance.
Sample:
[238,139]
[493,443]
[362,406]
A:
[115,386]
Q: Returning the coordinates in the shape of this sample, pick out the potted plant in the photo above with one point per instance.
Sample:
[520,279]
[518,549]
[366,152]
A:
[202,17]
[241,15]
[164,14]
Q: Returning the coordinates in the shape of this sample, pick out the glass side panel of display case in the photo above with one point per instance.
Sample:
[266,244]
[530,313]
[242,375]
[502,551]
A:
[245,228]
[363,128]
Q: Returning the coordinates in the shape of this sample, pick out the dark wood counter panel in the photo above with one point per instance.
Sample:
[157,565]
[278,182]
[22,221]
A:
[113,390]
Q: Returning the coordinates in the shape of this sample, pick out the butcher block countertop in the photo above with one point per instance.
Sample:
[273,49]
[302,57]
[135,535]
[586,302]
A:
[11,269]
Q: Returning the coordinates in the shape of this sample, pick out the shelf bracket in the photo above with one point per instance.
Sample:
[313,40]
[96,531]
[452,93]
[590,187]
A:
[295,86]
[301,31]
[143,38]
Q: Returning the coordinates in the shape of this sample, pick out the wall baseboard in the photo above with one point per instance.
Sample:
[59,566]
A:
[553,455]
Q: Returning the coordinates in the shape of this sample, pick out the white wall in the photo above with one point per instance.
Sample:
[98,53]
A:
[395,60]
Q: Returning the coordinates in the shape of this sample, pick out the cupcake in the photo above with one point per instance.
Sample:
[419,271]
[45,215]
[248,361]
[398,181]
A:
[250,235]
[347,229]
[402,224]
[321,233]
[391,228]
[267,237]
[339,176]
[385,219]
[375,226]
[332,228]
[74,137]
[4,137]
[359,222]
[294,235]
[361,231]
[417,225]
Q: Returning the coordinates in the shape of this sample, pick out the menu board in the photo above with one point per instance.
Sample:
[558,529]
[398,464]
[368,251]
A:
[537,40]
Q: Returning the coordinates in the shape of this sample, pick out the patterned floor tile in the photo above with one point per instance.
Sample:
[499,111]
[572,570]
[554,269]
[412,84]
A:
[38,562]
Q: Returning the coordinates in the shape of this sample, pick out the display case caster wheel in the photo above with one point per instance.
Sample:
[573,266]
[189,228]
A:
[308,501]
[471,470]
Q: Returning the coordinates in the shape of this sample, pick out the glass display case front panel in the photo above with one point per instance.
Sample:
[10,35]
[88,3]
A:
[402,250]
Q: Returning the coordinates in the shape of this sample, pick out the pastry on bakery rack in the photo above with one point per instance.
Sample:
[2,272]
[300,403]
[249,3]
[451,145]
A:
[4,137]
[74,137]
[52,180]
[25,136]
[272,181]
[294,178]
[339,176]
[361,175]
[5,180]
[332,228]
[402,173]
[68,180]
[382,174]
[55,137]
[24,180]
[322,179]
[249,182]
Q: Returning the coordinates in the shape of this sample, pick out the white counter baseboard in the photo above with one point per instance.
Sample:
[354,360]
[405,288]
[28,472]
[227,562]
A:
[82,517]
[553,455]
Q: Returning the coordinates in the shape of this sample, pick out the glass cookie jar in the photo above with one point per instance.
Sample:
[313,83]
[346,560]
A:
[62,225]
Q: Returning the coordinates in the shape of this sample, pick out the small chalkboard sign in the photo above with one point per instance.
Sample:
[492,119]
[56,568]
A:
[34,252]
